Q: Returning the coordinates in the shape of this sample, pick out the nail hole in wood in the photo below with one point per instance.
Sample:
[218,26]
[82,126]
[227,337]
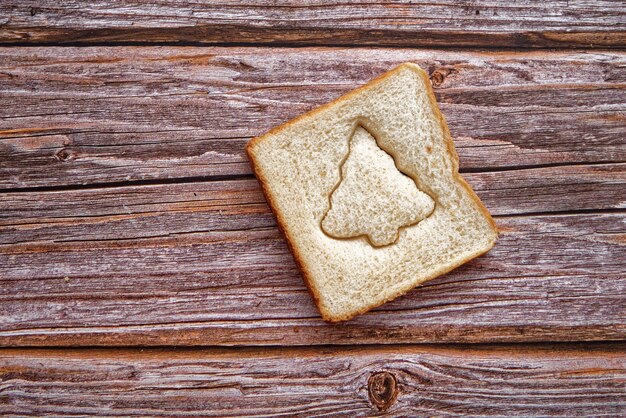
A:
[383,389]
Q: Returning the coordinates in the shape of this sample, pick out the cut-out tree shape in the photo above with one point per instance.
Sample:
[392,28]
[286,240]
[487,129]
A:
[373,198]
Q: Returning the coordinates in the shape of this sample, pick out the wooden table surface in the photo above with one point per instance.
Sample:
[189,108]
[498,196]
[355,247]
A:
[142,272]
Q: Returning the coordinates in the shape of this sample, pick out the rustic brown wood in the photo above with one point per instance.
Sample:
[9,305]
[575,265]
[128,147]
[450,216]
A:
[202,263]
[541,136]
[555,23]
[583,380]
[136,212]
[99,115]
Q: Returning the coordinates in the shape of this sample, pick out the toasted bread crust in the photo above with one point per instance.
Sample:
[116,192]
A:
[282,225]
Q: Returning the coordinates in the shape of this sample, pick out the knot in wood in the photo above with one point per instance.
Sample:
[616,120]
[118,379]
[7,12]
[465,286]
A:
[437,78]
[64,154]
[383,389]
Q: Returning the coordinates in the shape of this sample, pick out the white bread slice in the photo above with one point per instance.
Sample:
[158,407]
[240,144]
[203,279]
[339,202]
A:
[367,192]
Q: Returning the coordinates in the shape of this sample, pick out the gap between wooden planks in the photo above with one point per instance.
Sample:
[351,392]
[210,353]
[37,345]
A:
[573,380]
[82,116]
[449,23]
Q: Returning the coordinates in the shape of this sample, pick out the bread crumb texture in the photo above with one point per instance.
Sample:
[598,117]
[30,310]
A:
[368,194]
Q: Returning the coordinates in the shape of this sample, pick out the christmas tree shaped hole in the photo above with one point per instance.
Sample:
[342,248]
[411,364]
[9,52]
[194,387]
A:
[373,199]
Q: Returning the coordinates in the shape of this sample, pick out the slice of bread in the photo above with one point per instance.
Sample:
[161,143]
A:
[367,192]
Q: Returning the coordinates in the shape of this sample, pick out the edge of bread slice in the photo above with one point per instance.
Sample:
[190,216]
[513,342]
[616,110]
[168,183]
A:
[283,224]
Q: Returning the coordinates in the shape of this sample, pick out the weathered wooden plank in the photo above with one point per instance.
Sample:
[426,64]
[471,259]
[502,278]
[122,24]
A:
[98,115]
[486,23]
[582,380]
[203,263]
[137,212]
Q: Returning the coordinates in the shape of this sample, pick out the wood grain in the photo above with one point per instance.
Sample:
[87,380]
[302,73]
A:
[582,380]
[203,263]
[484,23]
[136,212]
[128,216]
[100,115]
